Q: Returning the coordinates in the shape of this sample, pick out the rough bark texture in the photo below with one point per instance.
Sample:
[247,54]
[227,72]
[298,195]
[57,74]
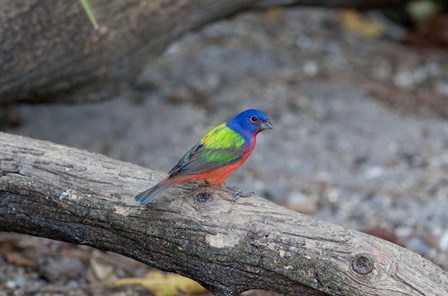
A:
[49,51]
[76,196]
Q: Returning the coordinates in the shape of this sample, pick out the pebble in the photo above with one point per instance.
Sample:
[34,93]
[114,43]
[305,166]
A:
[16,283]
[418,245]
[443,243]
[61,268]
[373,172]
[404,232]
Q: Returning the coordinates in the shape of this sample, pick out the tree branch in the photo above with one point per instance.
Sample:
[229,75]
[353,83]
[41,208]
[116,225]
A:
[51,52]
[85,198]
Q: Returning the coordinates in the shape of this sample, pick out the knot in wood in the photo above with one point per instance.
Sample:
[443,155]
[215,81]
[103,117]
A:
[203,197]
[362,263]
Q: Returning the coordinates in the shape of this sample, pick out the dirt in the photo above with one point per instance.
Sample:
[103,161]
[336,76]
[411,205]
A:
[360,135]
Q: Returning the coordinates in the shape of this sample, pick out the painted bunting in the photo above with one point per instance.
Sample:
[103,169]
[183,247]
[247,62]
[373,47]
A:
[217,155]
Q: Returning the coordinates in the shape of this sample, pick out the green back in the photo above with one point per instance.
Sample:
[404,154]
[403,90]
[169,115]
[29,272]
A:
[219,147]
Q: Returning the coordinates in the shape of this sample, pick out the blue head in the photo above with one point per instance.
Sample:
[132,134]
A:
[249,123]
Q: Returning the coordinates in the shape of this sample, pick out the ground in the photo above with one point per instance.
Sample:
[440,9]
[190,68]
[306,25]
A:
[360,135]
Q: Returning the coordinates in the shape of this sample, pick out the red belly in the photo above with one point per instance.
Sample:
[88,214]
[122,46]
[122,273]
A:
[214,177]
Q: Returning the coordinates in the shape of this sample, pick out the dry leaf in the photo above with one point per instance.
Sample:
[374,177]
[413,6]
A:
[102,272]
[19,260]
[361,24]
[162,284]
[385,234]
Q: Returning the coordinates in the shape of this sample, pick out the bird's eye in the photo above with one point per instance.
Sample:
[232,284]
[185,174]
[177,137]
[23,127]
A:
[253,119]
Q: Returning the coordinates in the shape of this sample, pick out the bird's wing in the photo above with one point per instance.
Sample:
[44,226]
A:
[220,147]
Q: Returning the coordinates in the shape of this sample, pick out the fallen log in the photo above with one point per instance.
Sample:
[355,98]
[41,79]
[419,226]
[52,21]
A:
[50,52]
[72,195]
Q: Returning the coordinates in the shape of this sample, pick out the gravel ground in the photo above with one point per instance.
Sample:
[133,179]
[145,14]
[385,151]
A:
[336,152]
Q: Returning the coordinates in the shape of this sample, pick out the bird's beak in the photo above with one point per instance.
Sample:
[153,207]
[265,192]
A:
[266,125]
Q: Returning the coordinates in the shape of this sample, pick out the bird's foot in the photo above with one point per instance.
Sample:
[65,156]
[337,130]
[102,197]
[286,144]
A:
[238,193]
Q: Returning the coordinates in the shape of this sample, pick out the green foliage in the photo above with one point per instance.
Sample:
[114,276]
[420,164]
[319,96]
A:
[85,4]
[422,9]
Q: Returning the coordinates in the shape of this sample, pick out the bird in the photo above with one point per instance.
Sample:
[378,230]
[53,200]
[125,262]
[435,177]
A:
[216,156]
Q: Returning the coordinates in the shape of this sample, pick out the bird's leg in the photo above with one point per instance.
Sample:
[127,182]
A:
[237,193]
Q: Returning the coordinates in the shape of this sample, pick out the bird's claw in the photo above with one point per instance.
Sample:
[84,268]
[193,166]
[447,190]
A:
[238,193]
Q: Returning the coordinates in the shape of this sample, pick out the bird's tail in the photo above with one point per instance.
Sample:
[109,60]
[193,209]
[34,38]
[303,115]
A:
[150,194]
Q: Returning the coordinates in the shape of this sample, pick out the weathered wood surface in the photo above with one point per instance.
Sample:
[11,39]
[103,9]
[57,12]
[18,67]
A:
[49,51]
[72,195]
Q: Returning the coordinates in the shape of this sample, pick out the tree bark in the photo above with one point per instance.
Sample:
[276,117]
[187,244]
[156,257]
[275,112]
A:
[72,195]
[49,51]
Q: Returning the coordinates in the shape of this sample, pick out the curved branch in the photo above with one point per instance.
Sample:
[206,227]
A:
[76,196]
[51,53]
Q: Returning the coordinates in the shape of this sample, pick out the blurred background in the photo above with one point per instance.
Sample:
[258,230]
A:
[358,100]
